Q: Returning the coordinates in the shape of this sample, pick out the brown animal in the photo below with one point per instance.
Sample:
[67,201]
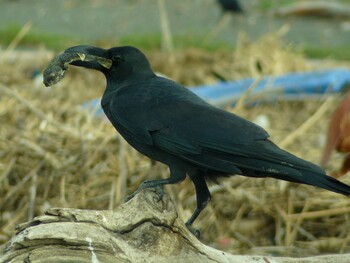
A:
[338,137]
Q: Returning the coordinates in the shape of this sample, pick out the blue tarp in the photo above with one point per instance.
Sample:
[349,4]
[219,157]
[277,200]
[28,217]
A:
[294,86]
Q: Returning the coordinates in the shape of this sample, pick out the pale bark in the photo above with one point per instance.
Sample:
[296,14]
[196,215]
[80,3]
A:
[145,229]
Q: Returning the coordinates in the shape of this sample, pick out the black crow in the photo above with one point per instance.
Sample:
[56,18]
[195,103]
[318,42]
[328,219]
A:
[168,123]
[230,6]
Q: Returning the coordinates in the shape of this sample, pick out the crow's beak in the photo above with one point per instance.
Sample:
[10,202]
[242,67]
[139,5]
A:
[82,56]
[90,57]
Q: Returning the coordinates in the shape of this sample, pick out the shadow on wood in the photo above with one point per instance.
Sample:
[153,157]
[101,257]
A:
[145,229]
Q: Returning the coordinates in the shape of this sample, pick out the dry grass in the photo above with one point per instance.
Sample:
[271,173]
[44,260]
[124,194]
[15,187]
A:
[55,154]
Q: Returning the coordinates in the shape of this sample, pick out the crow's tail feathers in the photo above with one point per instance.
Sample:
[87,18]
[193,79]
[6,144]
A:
[328,183]
[302,172]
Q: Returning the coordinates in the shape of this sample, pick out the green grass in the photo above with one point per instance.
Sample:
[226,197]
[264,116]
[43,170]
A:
[149,42]
[273,4]
[154,42]
[146,42]
[35,38]
[339,53]
[183,42]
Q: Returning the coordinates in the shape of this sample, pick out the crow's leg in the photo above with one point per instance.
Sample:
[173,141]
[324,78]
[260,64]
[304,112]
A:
[177,174]
[203,198]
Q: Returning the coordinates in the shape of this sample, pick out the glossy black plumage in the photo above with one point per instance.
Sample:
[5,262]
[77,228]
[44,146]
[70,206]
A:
[230,6]
[170,124]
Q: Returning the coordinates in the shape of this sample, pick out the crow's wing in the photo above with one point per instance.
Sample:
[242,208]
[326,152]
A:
[164,114]
[222,141]
[161,103]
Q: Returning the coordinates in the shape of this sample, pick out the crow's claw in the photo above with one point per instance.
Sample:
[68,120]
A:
[196,232]
[157,189]
[159,192]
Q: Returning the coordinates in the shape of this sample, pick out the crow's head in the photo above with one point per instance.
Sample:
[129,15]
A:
[128,61]
[118,63]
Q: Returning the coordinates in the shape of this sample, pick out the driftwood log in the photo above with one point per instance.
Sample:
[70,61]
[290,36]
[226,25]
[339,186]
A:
[145,229]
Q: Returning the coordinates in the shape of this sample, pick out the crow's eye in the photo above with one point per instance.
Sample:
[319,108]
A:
[117,58]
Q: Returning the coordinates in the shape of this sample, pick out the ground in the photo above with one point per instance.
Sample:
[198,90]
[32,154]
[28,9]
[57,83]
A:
[54,154]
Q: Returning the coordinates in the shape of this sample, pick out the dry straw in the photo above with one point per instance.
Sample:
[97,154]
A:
[53,153]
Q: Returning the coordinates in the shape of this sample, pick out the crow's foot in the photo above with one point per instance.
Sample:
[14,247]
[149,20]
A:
[158,189]
[194,231]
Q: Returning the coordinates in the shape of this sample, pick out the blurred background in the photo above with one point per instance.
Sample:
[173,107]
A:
[282,64]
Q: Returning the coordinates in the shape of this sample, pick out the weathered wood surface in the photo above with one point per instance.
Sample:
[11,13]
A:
[145,229]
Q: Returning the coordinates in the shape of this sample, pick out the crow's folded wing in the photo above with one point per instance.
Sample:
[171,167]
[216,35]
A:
[178,122]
